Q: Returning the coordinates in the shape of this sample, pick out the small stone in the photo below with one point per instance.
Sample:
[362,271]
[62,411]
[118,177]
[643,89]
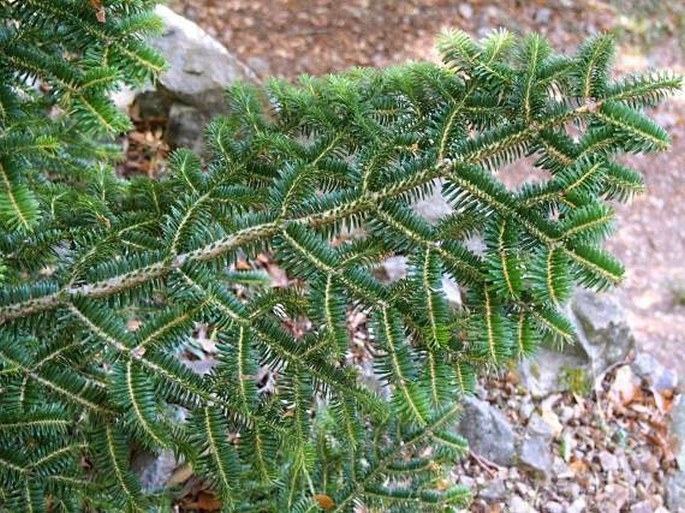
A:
[538,427]
[660,378]
[543,16]
[551,419]
[561,469]
[154,470]
[566,413]
[667,380]
[574,489]
[614,498]
[526,410]
[535,455]
[577,506]
[675,492]
[608,461]
[648,462]
[488,431]
[466,11]
[523,489]
[553,507]
[518,505]
[467,481]
[642,507]
[645,366]
[626,470]
[604,333]
[493,491]
[675,484]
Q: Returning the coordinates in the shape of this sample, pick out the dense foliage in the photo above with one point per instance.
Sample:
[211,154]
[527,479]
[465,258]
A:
[59,60]
[105,288]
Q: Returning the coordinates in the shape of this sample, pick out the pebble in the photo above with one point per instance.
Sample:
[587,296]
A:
[642,507]
[538,426]
[578,506]
[553,507]
[608,461]
[493,491]
[519,505]
[466,11]
[561,469]
[648,462]
[590,469]
[535,455]
[543,16]
[654,373]
[614,498]
[566,413]
[467,481]
[526,410]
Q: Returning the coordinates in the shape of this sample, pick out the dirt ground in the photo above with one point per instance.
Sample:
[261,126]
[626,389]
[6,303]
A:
[285,38]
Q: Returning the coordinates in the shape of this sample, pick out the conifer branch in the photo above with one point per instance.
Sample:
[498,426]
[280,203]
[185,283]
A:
[321,176]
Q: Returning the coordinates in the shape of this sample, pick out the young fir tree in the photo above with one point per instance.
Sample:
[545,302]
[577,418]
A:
[290,172]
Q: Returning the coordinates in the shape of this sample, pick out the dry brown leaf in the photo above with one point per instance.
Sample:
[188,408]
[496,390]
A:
[133,324]
[100,14]
[663,399]
[626,387]
[578,467]
[204,502]
[138,137]
[279,278]
[242,265]
[640,408]
[324,501]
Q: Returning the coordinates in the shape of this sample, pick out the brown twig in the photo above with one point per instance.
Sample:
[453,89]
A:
[489,466]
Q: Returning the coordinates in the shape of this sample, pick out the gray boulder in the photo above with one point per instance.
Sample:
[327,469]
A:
[154,470]
[185,125]
[603,330]
[200,68]
[488,431]
[192,90]
[604,338]
[542,374]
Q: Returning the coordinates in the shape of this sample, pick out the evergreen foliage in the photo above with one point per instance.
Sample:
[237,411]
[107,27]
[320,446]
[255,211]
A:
[291,171]
[59,60]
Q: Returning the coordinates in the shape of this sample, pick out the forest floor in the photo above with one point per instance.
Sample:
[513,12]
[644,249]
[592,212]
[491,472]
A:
[285,38]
